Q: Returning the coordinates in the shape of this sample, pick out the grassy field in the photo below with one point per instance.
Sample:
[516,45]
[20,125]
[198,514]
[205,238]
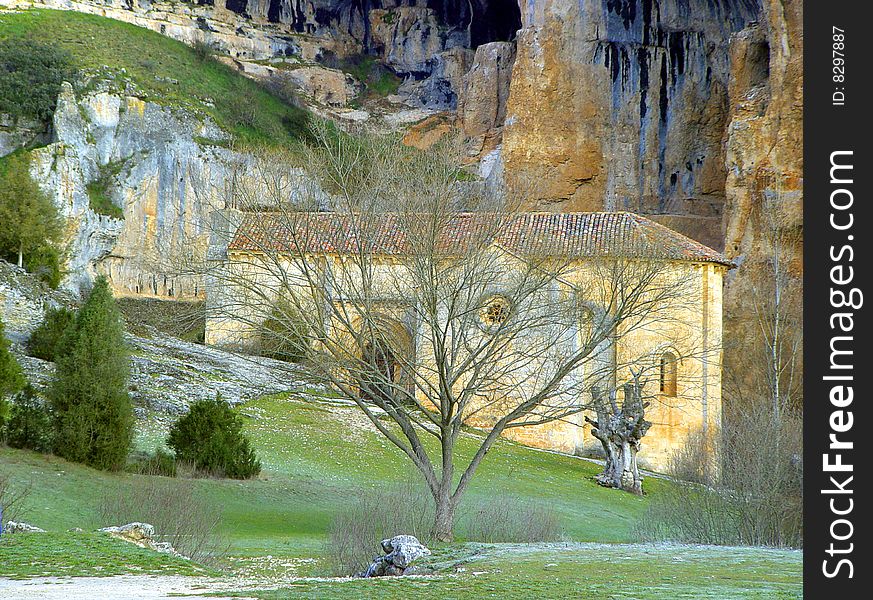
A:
[607,572]
[84,554]
[164,71]
[317,457]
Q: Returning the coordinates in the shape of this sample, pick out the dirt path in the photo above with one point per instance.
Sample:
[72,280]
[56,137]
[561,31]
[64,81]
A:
[122,587]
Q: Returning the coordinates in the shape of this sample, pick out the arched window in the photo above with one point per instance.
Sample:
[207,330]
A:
[668,374]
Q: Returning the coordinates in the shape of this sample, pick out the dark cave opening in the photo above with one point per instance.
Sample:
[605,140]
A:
[494,21]
[490,21]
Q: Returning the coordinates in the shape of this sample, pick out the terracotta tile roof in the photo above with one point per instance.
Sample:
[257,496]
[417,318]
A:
[545,234]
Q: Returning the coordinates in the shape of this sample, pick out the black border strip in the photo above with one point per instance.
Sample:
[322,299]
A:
[836,124]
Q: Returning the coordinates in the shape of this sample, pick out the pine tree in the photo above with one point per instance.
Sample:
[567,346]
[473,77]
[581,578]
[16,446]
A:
[44,340]
[89,394]
[28,218]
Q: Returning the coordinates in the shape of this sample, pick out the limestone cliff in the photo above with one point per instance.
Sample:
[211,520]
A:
[764,186]
[686,110]
[622,105]
[160,166]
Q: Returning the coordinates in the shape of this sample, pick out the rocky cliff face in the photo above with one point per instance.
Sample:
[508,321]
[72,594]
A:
[686,110]
[764,185]
[156,164]
[623,104]
[429,43]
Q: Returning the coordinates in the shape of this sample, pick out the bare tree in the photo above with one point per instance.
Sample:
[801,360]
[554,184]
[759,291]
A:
[418,310]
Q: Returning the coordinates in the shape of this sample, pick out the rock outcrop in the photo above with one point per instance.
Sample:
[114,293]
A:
[484,96]
[622,105]
[19,133]
[144,159]
[21,527]
[24,300]
[142,535]
[168,374]
[165,170]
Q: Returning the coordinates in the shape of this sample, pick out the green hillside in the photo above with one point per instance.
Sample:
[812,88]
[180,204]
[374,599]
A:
[163,70]
[316,459]
[319,457]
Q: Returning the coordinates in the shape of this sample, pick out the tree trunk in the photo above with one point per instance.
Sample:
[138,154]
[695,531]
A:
[21,255]
[444,518]
[620,431]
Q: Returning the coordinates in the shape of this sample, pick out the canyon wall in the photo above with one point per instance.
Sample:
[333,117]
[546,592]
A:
[623,105]
[764,193]
[685,110]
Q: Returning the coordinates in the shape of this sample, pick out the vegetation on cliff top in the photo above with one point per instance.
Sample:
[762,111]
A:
[32,73]
[163,70]
[30,227]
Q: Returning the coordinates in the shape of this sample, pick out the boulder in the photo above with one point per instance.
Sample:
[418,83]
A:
[485,90]
[142,535]
[400,552]
[323,85]
[21,527]
[132,532]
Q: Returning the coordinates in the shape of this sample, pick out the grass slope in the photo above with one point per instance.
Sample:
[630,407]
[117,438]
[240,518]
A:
[164,71]
[316,458]
[84,554]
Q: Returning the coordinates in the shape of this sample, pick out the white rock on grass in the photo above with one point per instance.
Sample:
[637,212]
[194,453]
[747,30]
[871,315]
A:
[21,527]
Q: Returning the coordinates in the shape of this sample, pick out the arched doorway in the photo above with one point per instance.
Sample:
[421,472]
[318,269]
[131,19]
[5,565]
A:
[383,360]
[379,372]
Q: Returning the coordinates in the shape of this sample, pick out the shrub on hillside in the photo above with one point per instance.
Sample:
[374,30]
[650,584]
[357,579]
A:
[30,424]
[180,516]
[202,50]
[161,463]
[374,515]
[211,437]
[178,318]
[11,377]
[408,508]
[32,73]
[44,340]
[13,496]
[504,519]
[753,496]
[284,334]
[92,410]
[45,263]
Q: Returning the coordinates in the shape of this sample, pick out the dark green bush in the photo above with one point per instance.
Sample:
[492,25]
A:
[43,342]
[93,415]
[160,463]
[31,73]
[45,263]
[210,436]
[11,377]
[30,423]
[284,334]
